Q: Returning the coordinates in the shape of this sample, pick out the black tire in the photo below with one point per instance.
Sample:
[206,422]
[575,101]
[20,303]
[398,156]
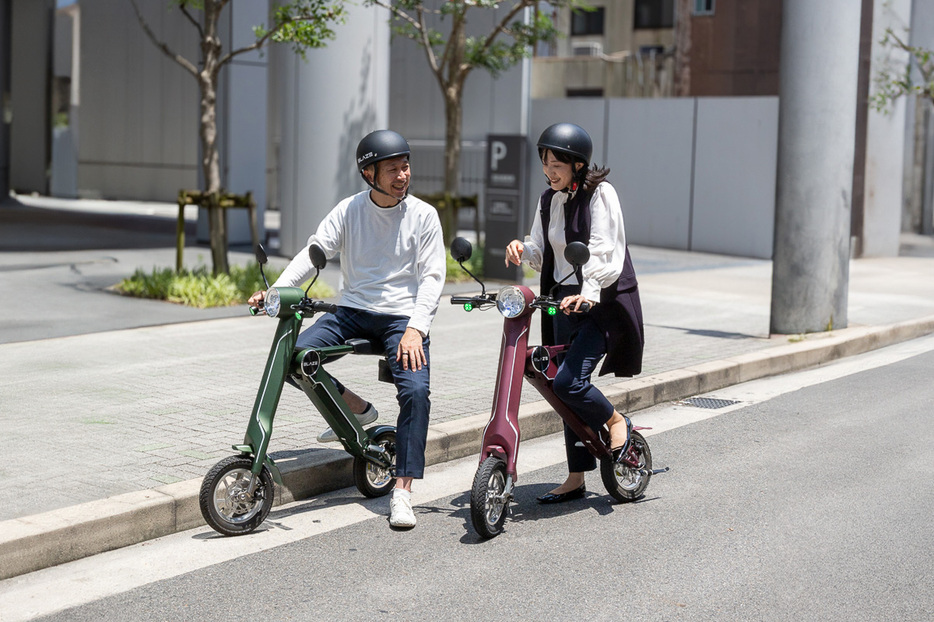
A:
[224,504]
[370,479]
[488,508]
[625,481]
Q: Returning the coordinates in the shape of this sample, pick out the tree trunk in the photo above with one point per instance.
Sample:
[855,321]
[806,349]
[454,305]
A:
[452,157]
[453,91]
[682,81]
[210,161]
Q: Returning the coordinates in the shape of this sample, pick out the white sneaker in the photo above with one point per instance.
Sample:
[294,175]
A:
[367,417]
[400,511]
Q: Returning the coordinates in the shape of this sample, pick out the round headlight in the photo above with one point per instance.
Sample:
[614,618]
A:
[510,301]
[272,302]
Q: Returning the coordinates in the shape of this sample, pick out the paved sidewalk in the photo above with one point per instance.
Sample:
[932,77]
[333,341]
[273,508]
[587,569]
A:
[110,432]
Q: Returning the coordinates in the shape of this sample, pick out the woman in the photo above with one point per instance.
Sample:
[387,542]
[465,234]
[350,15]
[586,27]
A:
[580,205]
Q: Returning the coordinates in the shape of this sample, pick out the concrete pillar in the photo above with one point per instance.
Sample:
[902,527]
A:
[817,118]
[885,143]
[5,65]
[921,207]
[324,106]
[28,110]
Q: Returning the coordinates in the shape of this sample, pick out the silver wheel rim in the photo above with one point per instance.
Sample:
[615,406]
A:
[231,500]
[627,477]
[494,497]
[378,476]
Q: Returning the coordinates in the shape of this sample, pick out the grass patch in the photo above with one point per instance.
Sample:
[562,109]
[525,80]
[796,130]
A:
[199,288]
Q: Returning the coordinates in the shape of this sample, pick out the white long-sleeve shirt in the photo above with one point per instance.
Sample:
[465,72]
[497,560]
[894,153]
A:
[607,241]
[392,258]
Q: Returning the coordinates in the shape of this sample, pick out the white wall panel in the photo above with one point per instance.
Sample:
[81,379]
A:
[649,153]
[734,176]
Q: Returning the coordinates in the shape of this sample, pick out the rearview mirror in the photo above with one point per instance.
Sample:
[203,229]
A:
[318,260]
[461,250]
[260,253]
[577,254]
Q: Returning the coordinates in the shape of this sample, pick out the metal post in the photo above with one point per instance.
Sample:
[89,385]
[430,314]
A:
[817,117]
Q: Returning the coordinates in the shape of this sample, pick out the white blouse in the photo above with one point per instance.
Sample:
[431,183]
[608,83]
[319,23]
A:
[607,241]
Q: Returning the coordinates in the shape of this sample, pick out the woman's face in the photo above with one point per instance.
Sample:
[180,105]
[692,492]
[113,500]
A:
[559,173]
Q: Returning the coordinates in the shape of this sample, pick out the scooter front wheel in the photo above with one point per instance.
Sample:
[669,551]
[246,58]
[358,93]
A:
[488,504]
[226,504]
[627,479]
[371,479]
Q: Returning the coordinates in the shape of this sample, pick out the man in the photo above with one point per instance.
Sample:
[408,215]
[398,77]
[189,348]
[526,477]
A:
[393,268]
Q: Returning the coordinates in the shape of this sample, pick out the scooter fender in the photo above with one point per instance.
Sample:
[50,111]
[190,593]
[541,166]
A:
[372,433]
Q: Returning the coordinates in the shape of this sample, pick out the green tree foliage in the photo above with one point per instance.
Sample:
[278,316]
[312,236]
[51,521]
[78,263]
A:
[894,80]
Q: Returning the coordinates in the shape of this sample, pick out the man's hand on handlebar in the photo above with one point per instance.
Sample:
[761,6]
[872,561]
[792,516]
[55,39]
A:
[256,299]
[256,302]
[575,304]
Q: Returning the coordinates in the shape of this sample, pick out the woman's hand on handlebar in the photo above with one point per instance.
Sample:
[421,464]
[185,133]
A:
[514,252]
[575,304]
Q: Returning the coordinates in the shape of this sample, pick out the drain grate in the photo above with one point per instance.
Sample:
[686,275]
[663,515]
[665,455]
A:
[707,402]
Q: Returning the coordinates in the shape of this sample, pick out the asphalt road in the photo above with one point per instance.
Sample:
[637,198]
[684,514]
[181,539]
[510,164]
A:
[808,499]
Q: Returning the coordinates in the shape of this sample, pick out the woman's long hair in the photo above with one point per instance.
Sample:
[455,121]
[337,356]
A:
[586,178]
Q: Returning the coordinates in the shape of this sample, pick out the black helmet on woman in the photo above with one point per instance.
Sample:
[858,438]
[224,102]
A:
[569,139]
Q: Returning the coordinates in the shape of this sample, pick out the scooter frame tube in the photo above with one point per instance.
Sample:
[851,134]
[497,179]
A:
[319,386]
[502,434]
[259,429]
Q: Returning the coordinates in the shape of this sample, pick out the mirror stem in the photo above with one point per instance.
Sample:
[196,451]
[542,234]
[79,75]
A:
[482,286]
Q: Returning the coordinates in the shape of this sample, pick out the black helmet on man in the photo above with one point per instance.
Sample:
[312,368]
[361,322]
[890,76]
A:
[380,145]
[376,147]
[567,138]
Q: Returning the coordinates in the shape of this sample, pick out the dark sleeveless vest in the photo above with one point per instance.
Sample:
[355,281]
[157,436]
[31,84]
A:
[619,313]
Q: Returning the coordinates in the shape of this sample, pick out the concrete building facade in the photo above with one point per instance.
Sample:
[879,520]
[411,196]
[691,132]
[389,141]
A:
[129,129]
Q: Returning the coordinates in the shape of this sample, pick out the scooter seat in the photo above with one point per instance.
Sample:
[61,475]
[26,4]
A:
[365,346]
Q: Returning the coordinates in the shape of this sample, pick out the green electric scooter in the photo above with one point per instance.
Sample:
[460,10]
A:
[238,492]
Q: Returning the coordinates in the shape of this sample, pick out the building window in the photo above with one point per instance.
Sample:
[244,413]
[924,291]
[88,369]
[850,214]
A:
[654,14]
[587,22]
[703,7]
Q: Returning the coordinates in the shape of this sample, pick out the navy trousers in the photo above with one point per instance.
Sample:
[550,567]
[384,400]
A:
[411,386]
[572,382]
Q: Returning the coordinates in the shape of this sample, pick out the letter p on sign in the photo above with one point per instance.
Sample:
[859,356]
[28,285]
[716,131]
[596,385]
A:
[497,153]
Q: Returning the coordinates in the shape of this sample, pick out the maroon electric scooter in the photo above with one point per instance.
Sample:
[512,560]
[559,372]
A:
[625,474]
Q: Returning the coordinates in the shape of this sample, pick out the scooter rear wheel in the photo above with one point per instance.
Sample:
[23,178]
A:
[225,503]
[627,480]
[370,479]
[488,507]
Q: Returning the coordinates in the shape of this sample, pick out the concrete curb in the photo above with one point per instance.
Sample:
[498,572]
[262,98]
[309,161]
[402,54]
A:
[34,542]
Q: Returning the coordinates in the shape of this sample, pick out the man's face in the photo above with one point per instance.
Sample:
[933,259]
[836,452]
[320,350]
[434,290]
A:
[392,176]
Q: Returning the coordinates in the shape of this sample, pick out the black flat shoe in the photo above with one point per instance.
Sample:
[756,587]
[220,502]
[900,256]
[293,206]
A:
[561,497]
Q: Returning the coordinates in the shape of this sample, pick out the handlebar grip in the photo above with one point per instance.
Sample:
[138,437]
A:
[257,310]
[325,307]
[584,308]
[461,300]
